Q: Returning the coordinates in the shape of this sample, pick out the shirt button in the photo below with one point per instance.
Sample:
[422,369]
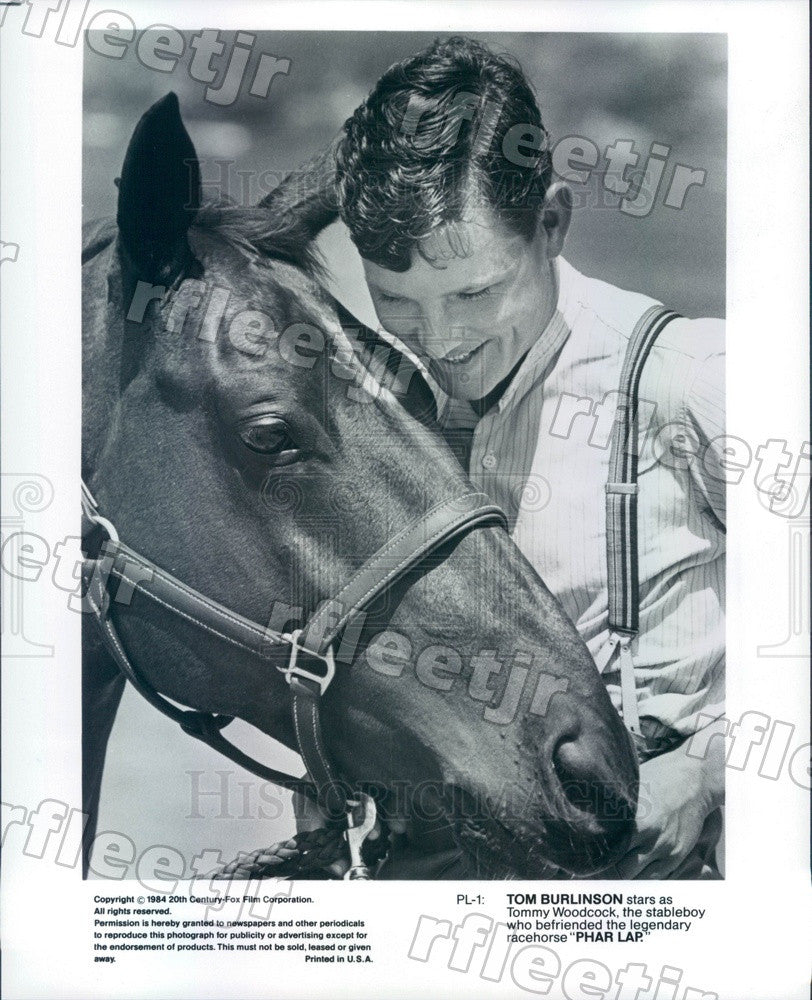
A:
[489,461]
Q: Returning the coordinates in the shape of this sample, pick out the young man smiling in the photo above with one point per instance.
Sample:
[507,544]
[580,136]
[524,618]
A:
[444,180]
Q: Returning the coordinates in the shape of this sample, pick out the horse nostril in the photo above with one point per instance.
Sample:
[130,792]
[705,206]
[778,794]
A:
[588,782]
[589,785]
[577,769]
[571,760]
[576,772]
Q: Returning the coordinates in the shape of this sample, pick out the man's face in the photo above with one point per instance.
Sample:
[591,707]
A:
[475,307]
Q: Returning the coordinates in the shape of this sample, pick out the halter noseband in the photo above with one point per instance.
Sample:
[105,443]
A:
[307,669]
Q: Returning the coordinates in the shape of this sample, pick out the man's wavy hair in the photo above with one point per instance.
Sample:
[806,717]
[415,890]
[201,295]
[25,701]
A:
[427,144]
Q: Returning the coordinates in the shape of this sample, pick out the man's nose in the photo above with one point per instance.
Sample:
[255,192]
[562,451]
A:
[438,336]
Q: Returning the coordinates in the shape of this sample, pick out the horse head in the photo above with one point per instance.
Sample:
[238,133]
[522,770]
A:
[243,438]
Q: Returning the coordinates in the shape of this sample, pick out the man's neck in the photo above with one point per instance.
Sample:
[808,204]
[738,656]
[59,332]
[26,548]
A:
[481,406]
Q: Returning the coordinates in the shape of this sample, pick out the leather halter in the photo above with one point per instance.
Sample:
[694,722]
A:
[308,669]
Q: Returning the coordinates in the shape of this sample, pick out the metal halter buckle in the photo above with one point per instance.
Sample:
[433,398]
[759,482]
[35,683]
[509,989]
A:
[90,509]
[294,669]
[361,818]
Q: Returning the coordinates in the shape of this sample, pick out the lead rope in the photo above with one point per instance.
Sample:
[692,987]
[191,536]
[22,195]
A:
[307,855]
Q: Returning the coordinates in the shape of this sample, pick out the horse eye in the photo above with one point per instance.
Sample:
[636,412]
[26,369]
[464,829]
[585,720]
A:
[266,435]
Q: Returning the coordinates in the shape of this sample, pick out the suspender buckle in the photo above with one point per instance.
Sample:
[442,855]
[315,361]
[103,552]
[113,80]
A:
[607,652]
[295,669]
[628,686]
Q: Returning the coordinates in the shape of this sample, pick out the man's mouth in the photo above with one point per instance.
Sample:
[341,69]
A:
[461,354]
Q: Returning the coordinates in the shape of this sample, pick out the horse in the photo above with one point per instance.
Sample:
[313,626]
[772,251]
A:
[241,434]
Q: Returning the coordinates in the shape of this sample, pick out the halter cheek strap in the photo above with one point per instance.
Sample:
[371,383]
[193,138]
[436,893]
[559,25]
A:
[308,669]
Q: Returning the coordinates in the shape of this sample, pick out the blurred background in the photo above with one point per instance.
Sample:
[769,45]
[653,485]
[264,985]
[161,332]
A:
[644,88]
[666,89]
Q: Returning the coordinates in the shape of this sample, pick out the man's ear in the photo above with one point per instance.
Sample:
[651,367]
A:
[556,213]
[159,193]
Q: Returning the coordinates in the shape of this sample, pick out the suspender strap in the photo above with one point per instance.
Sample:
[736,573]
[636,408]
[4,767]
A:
[621,507]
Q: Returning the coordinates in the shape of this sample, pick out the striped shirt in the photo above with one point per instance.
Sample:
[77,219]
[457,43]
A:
[542,453]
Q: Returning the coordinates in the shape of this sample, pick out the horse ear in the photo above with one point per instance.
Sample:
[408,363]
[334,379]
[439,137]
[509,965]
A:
[158,193]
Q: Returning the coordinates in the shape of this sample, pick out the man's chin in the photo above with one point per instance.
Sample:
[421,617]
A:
[470,386]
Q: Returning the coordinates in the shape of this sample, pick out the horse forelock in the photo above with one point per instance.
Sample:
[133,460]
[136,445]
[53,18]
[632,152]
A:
[279,255]
[262,236]
[281,252]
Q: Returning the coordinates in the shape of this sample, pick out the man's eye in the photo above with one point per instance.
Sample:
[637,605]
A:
[266,436]
[481,293]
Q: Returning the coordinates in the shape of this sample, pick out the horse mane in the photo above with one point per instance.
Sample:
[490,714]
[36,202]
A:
[263,236]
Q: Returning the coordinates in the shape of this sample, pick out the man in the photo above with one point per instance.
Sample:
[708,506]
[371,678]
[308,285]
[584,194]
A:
[444,180]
